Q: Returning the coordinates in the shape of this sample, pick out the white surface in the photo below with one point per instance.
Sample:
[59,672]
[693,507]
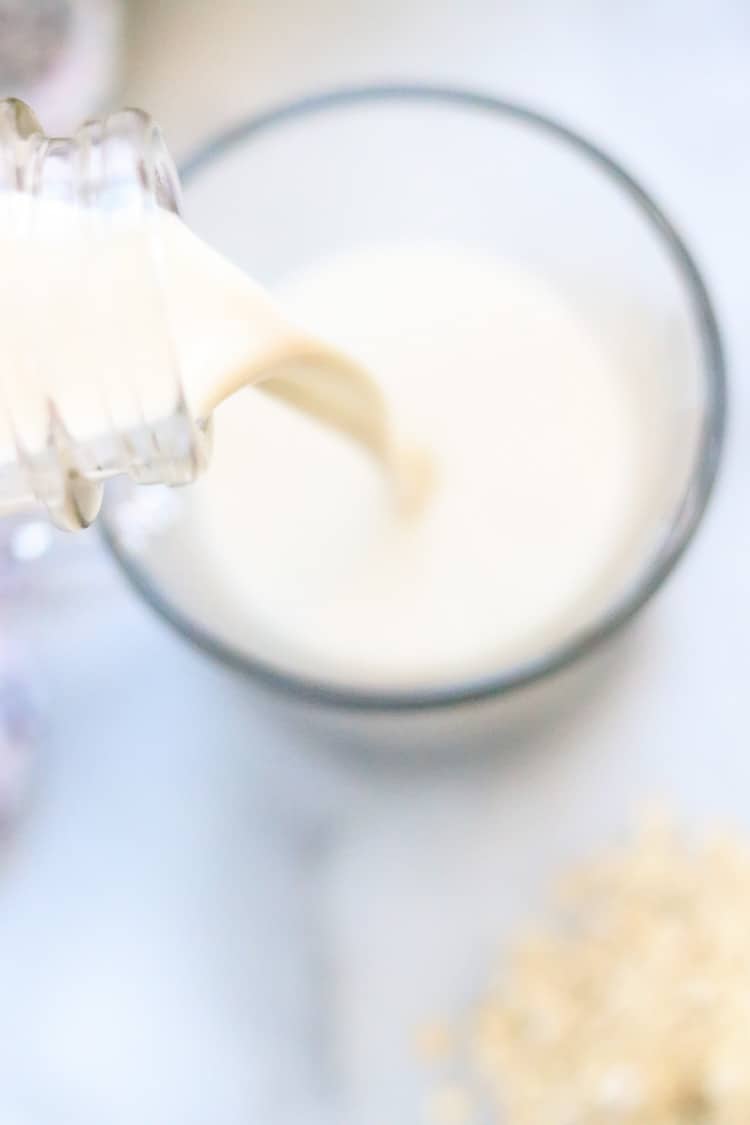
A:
[181,841]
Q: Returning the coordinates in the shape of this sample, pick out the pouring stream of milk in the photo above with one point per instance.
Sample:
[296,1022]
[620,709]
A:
[106,325]
[245,340]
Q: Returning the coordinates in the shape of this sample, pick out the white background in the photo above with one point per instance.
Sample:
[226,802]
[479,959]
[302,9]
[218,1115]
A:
[204,919]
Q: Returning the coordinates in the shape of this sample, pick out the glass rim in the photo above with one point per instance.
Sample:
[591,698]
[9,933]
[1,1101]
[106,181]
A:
[685,518]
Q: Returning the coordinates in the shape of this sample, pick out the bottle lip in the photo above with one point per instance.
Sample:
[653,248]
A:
[17,119]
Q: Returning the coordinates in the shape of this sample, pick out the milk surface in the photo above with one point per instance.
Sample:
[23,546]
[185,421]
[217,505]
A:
[539,499]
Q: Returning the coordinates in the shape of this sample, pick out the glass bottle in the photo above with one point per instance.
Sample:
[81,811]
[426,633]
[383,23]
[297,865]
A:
[115,172]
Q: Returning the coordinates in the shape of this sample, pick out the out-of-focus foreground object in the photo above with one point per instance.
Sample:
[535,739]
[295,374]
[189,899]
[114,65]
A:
[63,56]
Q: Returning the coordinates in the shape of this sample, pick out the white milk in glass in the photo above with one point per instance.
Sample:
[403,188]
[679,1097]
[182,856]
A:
[540,496]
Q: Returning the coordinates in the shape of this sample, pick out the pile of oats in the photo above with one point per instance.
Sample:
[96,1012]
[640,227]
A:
[634,1006]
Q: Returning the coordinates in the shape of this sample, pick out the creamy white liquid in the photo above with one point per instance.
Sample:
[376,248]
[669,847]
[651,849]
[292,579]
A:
[108,322]
[291,548]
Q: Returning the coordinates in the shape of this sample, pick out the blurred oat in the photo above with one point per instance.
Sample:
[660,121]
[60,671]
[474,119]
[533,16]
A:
[633,1006]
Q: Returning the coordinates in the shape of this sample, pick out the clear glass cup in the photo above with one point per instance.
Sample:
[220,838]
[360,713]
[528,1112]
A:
[369,165]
